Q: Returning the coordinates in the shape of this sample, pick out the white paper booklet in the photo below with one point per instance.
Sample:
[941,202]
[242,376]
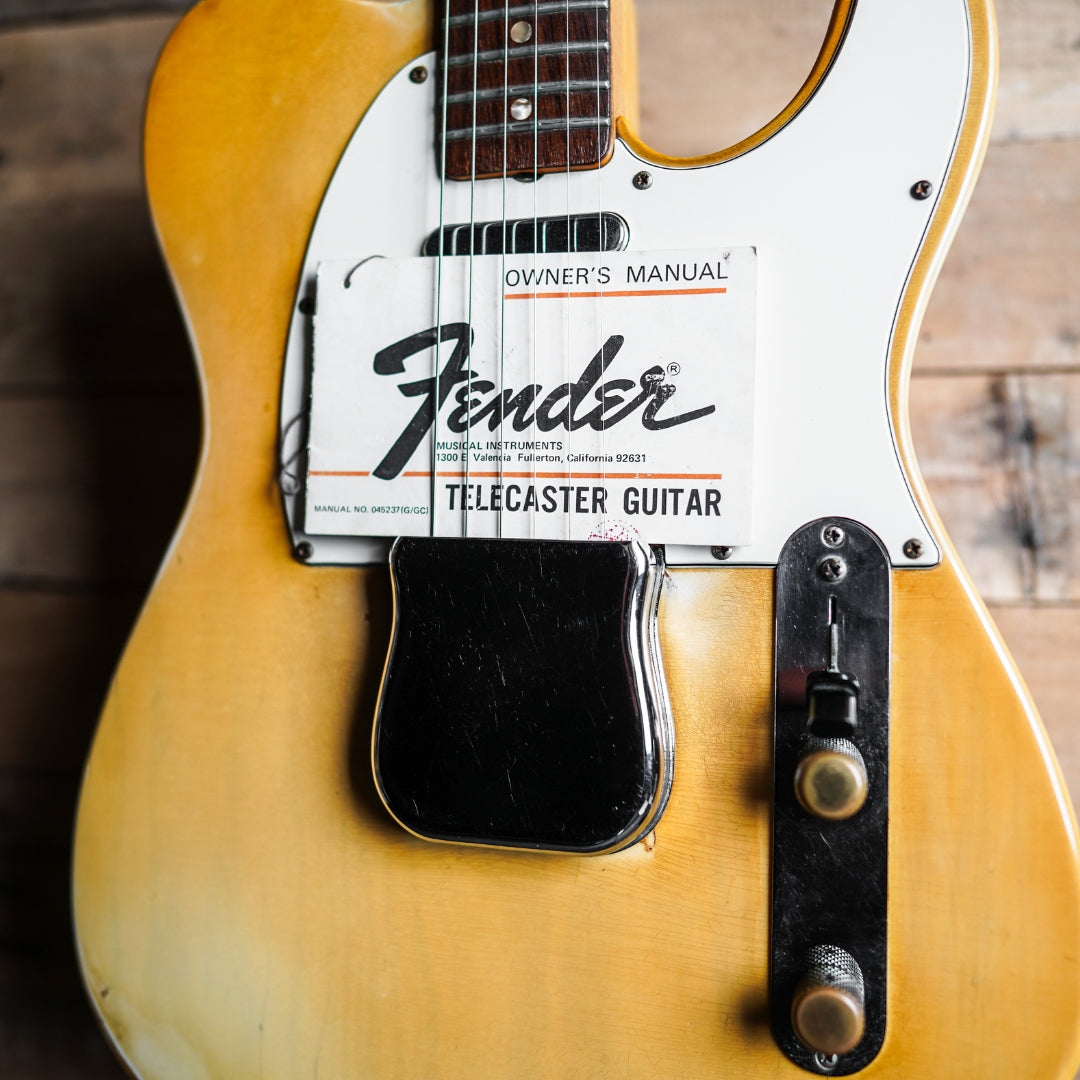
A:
[578,396]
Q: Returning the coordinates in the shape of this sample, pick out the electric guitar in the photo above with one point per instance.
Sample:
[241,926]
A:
[674,742]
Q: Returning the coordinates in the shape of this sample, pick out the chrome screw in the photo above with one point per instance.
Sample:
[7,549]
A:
[643,181]
[832,535]
[721,553]
[922,190]
[913,549]
[418,75]
[826,1062]
[833,568]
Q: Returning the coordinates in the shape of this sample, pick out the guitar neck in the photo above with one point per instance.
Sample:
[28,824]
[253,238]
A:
[525,88]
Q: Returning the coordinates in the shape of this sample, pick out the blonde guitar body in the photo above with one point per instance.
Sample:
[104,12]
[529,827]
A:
[246,908]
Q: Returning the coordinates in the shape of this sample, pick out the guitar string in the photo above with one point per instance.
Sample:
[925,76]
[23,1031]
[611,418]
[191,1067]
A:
[502,265]
[568,316]
[439,277]
[472,264]
[533,311]
[468,278]
[601,337]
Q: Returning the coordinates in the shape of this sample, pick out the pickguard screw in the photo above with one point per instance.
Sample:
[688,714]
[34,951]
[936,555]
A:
[832,535]
[304,551]
[643,181]
[721,553]
[922,189]
[826,1062]
[833,568]
[913,549]
[307,306]
[418,75]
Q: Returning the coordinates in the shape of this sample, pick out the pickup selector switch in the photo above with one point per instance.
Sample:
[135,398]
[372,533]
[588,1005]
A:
[832,703]
[830,779]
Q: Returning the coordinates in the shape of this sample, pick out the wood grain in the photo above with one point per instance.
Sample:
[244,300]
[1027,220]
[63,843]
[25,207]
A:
[78,504]
[1039,90]
[99,406]
[16,12]
[741,62]
[45,1031]
[290,868]
[75,244]
[1009,298]
[714,71]
[72,109]
[85,307]
[60,648]
[1001,455]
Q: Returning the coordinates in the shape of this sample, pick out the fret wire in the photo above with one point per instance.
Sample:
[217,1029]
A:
[525,126]
[524,52]
[553,7]
[539,89]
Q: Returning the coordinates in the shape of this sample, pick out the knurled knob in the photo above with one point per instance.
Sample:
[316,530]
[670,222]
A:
[830,780]
[828,1010]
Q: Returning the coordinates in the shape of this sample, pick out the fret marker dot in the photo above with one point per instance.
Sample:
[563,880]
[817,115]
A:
[521,108]
[521,32]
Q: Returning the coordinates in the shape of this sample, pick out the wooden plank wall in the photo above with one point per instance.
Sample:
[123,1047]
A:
[99,414]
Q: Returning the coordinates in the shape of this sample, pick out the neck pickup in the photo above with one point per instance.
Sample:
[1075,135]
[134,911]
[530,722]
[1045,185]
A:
[528,236]
[525,88]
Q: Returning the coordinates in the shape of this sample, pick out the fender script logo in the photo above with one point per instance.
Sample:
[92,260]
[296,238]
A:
[560,408]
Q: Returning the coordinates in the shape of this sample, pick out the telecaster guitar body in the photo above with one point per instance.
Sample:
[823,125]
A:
[244,905]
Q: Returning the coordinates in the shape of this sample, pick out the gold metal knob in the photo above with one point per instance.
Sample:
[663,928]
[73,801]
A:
[830,781]
[827,1010]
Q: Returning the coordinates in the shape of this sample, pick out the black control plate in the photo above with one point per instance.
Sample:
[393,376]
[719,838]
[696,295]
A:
[830,878]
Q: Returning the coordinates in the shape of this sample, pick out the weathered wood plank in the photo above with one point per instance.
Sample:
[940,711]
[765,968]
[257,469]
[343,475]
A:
[58,653]
[47,1031]
[90,490]
[713,71]
[1001,455]
[1009,295]
[1039,87]
[13,12]
[85,304]
[57,656]
[71,102]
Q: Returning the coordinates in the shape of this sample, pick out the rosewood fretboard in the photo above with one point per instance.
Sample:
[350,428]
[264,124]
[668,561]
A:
[527,86]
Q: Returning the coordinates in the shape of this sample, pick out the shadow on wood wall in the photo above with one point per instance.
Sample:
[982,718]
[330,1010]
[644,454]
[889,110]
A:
[99,424]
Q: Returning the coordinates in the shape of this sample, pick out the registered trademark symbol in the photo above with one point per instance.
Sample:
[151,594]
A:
[673,368]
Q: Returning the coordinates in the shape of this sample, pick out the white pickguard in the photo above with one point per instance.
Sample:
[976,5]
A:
[826,202]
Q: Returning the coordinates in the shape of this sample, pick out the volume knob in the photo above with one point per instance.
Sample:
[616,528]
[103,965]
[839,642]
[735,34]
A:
[828,1010]
[830,781]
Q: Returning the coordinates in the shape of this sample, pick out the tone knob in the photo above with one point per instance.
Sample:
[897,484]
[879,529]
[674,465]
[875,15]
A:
[828,1010]
[830,780]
